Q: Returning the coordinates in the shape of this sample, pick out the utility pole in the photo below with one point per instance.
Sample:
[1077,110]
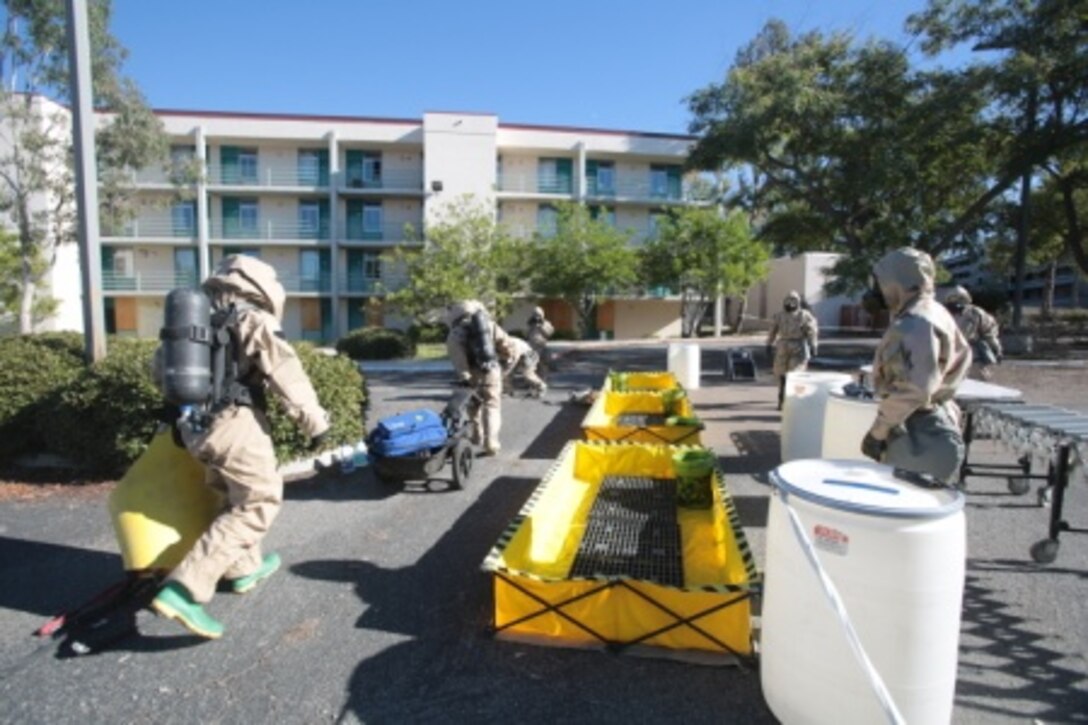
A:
[90,257]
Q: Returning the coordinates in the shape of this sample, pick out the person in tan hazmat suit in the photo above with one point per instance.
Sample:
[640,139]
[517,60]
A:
[473,344]
[793,338]
[918,365]
[235,445]
[980,329]
[516,355]
[540,331]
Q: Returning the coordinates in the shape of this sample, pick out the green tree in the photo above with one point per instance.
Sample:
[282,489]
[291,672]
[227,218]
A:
[842,146]
[36,180]
[585,261]
[704,255]
[465,255]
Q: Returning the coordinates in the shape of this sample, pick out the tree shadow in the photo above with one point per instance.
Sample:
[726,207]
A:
[451,669]
[1004,662]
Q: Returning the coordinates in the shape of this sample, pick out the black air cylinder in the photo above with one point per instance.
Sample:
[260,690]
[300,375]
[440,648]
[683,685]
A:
[187,347]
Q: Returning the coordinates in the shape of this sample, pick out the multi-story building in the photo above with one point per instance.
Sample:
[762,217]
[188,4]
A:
[323,197]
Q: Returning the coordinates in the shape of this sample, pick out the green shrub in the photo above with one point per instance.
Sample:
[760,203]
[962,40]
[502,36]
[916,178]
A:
[376,343]
[341,390]
[33,368]
[105,417]
[565,335]
[428,334]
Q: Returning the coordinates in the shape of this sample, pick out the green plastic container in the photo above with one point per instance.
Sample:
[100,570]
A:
[694,472]
[618,381]
[672,398]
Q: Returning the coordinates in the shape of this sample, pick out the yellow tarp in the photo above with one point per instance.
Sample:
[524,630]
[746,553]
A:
[161,506]
[600,422]
[653,380]
[532,560]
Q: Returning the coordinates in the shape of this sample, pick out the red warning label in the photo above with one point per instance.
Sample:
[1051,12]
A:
[830,539]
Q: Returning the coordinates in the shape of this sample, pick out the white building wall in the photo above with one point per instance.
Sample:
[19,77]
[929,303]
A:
[519,218]
[149,315]
[65,285]
[805,274]
[459,154]
[647,319]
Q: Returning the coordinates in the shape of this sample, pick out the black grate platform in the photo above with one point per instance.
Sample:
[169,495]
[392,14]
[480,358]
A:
[632,531]
[648,551]
[640,420]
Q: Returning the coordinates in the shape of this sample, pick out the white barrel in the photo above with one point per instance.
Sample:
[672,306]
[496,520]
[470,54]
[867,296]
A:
[684,362]
[803,411]
[846,421]
[895,552]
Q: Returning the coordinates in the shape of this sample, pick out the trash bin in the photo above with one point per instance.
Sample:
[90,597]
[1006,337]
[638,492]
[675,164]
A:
[684,363]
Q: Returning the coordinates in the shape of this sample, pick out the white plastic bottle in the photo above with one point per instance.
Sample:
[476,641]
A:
[361,459]
[347,459]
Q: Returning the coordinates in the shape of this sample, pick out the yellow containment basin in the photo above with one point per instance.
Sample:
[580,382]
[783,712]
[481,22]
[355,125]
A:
[539,600]
[639,381]
[161,506]
[612,418]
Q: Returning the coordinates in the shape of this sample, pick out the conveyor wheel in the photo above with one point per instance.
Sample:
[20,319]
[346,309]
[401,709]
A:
[1045,551]
[1019,485]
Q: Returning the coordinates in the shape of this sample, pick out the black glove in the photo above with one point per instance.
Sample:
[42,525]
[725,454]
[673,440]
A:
[872,448]
[319,440]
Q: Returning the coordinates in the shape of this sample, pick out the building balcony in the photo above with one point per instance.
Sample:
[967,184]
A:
[548,184]
[389,232]
[267,177]
[638,190]
[139,282]
[354,182]
[297,283]
[357,283]
[271,230]
[149,229]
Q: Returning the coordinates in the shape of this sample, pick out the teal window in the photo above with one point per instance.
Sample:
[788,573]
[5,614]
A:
[554,176]
[606,214]
[600,178]
[656,217]
[364,169]
[186,271]
[313,219]
[235,249]
[364,270]
[356,314]
[364,219]
[240,218]
[183,218]
[238,165]
[547,220]
[314,270]
[313,167]
[665,181]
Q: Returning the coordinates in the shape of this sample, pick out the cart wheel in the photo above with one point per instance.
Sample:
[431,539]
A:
[462,463]
[1019,485]
[1045,551]
[1044,497]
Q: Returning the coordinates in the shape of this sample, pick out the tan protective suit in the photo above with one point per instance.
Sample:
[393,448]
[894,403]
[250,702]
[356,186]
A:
[980,329]
[918,365]
[540,331]
[487,417]
[515,355]
[236,448]
[793,334]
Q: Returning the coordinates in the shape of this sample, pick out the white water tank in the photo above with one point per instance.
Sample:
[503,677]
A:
[684,363]
[846,421]
[896,554]
[803,411]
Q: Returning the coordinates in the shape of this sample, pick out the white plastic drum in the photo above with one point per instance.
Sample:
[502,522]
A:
[803,411]
[846,421]
[684,363]
[896,554]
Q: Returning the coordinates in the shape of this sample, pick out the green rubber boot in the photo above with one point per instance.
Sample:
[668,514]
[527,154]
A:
[175,602]
[269,565]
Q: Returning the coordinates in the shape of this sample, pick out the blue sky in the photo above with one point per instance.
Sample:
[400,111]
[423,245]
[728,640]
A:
[619,64]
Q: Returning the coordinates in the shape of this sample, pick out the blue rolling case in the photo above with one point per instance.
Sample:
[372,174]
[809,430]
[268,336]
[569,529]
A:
[408,433]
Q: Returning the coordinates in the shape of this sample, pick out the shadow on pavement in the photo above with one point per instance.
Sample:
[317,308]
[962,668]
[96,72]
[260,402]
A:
[758,452]
[47,579]
[565,426]
[331,485]
[994,638]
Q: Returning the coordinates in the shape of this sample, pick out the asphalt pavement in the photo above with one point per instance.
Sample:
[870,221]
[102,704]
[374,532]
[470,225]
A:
[381,613]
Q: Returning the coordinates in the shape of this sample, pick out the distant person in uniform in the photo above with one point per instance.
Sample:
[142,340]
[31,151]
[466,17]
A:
[980,329]
[473,344]
[517,357]
[792,340]
[540,331]
[918,365]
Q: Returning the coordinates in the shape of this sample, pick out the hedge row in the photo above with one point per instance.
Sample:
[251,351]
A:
[376,343]
[102,417]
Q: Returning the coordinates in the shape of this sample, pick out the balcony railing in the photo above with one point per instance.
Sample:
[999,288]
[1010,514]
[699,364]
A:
[389,232]
[629,187]
[359,283]
[147,281]
[270,229]
[536,184]
[354,180]
[315,283]
[148,228]
[266,176]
